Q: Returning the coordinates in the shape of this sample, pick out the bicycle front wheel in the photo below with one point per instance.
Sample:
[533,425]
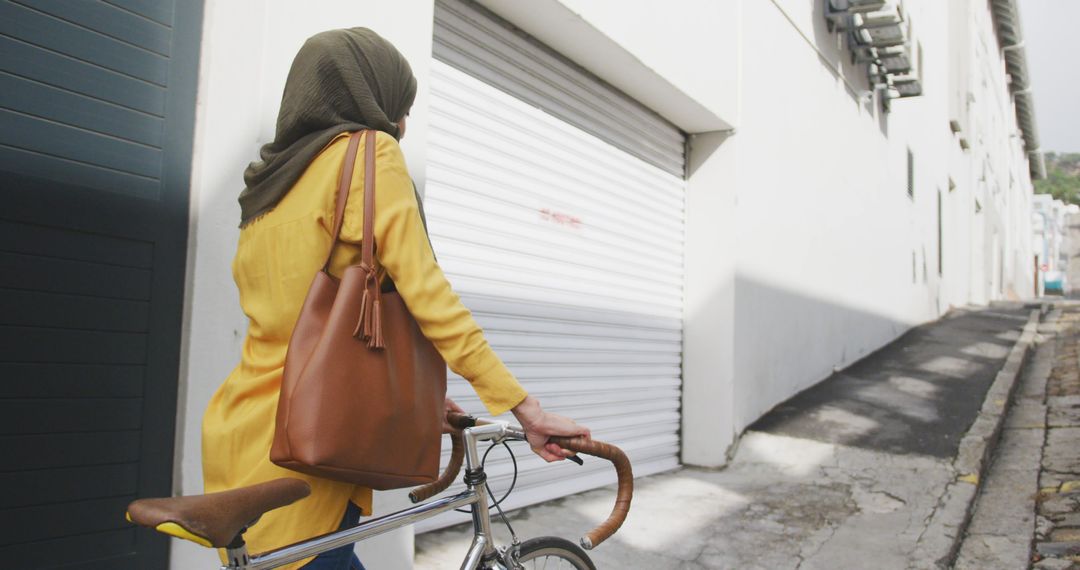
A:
[553,553]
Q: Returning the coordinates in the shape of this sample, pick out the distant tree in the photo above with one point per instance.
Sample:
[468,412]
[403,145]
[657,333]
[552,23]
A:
[1062,177]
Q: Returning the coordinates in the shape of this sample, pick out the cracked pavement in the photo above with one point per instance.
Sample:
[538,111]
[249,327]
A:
[1003,522]
[1028,513]
[1057,529]
[858,471]
[783,503]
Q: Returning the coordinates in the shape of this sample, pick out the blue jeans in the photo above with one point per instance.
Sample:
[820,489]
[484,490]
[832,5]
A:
[343,558]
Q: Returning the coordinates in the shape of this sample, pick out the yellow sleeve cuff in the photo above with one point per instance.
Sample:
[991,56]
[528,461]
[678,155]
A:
[497,388]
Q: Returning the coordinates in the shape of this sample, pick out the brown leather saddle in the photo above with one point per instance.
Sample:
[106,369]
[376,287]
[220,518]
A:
[216,520]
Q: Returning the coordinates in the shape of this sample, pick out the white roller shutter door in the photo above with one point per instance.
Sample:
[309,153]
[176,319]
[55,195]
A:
[567,245]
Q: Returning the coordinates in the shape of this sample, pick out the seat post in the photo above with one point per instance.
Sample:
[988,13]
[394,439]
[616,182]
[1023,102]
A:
[236,553]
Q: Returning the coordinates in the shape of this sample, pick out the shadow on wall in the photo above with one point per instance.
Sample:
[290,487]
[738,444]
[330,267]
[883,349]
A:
[787,341]
[915,396]
[834,55]
[833,52]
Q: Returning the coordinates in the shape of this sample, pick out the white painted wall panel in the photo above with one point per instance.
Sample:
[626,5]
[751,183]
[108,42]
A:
[248,47]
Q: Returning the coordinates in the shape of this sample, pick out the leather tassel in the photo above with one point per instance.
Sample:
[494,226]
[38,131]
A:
[368,314]
[361,331]
[377,336]
[369,324]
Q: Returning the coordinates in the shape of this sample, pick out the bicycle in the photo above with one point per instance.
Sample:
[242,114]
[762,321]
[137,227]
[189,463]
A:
[219,520]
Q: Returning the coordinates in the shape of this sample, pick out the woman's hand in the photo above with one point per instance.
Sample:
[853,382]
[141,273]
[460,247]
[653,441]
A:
[540,426]
[451,406]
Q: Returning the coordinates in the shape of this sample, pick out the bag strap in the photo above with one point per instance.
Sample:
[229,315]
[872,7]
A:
[369,324]
[367,246]
[344,183]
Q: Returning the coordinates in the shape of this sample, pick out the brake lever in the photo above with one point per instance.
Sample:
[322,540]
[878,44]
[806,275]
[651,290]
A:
[576,459]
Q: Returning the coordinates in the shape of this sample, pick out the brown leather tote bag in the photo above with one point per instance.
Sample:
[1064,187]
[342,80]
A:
[363,389]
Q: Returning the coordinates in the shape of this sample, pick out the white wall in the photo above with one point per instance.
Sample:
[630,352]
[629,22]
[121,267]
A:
[709,326]
[691,43]
[826,230]
[992,170]
[247,48]
[803,251]
[827,235]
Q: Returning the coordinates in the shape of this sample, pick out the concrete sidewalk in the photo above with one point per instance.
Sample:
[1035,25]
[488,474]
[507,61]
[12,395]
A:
[1003,525]
[877,466]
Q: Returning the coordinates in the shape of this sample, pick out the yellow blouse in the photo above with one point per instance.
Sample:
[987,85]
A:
[277,257]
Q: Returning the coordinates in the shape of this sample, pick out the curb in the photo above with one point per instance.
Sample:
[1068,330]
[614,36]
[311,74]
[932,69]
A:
[939,543]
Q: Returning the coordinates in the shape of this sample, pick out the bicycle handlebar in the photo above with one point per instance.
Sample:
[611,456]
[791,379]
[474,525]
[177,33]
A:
[459,420]
[457,455]
[623,496]
[595,448]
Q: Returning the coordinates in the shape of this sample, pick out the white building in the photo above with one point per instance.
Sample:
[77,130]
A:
[1049,221]
[669,217]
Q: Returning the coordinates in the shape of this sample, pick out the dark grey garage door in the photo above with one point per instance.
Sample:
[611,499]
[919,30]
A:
[96,119]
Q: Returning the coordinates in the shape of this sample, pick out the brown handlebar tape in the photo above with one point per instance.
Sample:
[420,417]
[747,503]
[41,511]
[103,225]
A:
[625,493]
[616,456]
[460,421]
[457,421]
[457,454]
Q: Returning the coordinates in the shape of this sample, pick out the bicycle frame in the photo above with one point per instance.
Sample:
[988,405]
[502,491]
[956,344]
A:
[482,551]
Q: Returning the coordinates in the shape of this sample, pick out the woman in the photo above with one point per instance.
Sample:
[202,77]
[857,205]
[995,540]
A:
[341,81]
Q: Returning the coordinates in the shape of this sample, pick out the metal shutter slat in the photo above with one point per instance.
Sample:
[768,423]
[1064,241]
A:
[565,240]
[473,39]
[589,317]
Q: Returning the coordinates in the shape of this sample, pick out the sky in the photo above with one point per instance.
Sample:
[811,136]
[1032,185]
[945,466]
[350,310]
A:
[1053,49]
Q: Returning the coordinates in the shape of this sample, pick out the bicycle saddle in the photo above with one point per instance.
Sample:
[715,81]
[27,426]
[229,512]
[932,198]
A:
[214,520]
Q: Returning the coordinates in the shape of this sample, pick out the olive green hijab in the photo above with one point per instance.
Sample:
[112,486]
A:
[341,81]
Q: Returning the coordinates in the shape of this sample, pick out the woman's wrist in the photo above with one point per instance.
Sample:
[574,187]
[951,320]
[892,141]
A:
[528,412]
